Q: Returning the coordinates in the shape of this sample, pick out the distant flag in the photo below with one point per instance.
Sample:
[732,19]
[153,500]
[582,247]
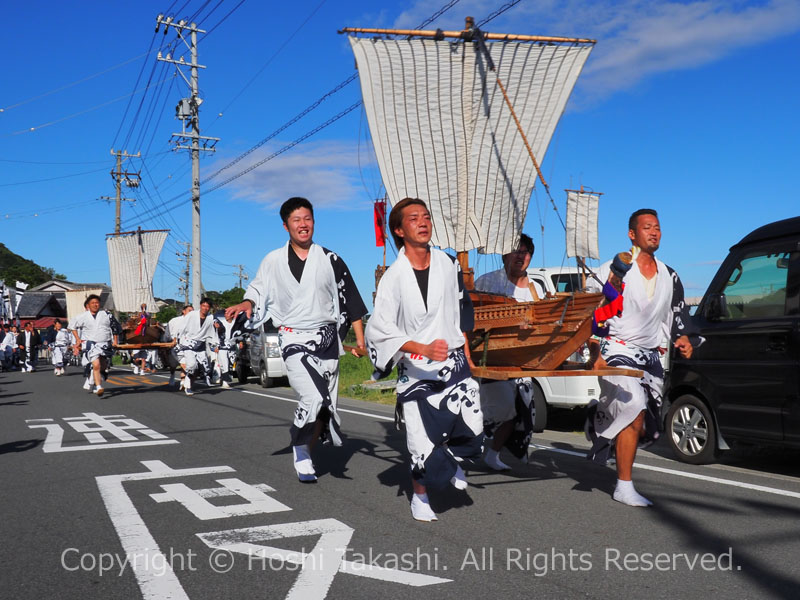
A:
[379,218]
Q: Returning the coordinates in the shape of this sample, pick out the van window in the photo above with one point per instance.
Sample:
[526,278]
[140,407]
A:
[566,282]
[756,287]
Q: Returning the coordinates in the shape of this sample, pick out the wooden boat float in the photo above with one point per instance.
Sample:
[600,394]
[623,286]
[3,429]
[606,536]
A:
[530,336]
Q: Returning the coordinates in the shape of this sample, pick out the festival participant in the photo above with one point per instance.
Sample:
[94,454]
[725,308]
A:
[28,342]
[507,405]
[61,342]
[628,411]
[308,292]
[98,328]
[229,332]
[8,342]
[172,334]
[196,333]
[421,313]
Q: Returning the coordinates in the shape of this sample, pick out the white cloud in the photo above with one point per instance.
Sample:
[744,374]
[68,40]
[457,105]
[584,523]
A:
[327,173]
[636,39]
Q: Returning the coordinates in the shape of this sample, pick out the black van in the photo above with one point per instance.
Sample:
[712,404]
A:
[743,382]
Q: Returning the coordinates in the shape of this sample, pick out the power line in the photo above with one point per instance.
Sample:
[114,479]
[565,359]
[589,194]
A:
[74,83]
[269,61]
[222,20]
[52,178]
[79,113]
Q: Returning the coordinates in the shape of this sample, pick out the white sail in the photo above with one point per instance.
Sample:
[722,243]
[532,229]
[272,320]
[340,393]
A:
[132,261]
[442,130]
[582,210]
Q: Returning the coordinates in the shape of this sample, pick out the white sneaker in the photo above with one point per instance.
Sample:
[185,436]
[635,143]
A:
[99,391]
[88,385]
[302,461]
[135,370]
[183,383]
[627,494]
[459,480]
[188,391]
[492,460]
[226,385]
[421,510]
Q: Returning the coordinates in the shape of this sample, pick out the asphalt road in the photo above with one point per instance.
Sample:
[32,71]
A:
[149,493]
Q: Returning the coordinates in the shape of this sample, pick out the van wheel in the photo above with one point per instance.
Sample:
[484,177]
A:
[691,431]
[264,379]
[540,407]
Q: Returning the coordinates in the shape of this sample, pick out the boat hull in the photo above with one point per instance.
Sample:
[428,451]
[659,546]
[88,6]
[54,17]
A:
[537,335]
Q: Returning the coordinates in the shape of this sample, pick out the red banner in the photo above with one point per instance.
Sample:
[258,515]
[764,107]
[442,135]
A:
[379,218]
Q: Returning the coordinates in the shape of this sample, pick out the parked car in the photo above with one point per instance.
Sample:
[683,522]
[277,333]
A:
[264,355]
[743,383]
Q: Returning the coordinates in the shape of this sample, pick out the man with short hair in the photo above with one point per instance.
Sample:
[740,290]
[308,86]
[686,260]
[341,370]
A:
[99,330]
[629,410]
[308,292]
[61,342]
[28,342]
[421,314]
[507,405]
[196,333]
[172,334]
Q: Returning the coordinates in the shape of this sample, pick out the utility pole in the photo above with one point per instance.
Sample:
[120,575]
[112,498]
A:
[185,257]
[188,111]
[131,180]
[241,274]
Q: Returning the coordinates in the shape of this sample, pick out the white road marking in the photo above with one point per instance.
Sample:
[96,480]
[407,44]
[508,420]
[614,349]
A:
[133,534]
[318,566]
[719,480]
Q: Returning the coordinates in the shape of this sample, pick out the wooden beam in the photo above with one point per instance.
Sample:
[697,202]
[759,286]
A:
[506,37]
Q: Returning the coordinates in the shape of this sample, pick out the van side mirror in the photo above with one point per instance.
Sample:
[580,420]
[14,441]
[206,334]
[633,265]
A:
[717,307]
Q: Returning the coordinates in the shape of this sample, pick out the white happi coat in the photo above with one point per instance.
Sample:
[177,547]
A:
[96,330]
[7,346]
[307,304]
[634,337]
[308,316]
[63,339]
[193,337]
[400,316]
[438,399]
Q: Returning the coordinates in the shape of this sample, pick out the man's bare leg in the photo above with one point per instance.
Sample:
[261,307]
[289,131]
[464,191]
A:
[626,444]
[98,379]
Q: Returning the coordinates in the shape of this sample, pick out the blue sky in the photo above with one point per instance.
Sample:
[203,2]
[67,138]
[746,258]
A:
[690,108]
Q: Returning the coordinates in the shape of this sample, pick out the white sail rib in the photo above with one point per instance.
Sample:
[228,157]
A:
[442,130]
[132,261]
[582,209]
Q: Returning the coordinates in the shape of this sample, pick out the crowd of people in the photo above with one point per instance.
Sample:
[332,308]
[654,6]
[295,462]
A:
[422,313]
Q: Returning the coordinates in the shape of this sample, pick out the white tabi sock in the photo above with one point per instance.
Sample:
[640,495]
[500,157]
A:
[302,460]
[493,461]
[459,480]
[420,508]
[627,494]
